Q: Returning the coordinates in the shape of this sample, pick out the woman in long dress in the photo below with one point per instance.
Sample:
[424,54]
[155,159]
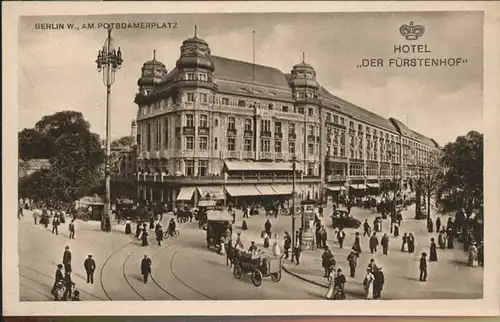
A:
[473,255]
[128,229]
[442,240]
[331,283]
[396,229]
[433,257]
[266,240]
[276,246]
[223,245]
[368,284]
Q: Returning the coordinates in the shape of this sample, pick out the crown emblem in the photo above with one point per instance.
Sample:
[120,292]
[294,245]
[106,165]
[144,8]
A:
[412,31]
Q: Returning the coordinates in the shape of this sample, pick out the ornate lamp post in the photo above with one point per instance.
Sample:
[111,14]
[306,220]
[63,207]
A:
[294,167]
[108,61]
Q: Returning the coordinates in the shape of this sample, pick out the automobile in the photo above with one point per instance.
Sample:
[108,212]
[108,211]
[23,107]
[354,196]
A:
[342,218]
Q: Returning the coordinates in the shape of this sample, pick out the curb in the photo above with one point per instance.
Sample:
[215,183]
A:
[303,278]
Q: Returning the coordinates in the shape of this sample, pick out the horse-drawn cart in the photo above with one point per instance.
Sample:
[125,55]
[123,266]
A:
[217,224]
[259,266]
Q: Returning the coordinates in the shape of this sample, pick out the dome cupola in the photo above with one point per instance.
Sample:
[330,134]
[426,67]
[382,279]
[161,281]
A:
[195,54]
[304,75]
[152,72]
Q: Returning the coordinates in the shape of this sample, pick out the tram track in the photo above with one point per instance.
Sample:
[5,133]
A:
[104,265]
[127,280]
[153,279]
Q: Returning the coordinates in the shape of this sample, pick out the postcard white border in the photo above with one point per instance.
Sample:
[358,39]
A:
[489,305]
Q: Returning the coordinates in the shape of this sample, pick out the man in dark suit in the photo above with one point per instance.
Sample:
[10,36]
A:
[89,265]
[69,284]
[58,277]
[423,267]
[146,268]
[67,259]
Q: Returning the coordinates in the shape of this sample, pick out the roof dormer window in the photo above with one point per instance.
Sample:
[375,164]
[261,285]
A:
[202,77]
[191,76]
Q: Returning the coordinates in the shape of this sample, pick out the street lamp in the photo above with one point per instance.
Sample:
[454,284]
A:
[108,61]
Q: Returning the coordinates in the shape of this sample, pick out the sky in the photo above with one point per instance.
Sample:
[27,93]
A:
[57,69]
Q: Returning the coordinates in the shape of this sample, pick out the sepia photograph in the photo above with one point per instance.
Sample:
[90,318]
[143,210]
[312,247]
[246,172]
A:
[250,156]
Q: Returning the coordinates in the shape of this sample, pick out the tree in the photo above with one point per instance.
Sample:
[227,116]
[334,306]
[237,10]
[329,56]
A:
[75,154]
[463,164]
[431,178]
[123,142]
[34,145]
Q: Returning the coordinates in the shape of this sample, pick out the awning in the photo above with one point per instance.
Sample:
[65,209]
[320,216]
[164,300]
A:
[235,165]
[217,215]
[211,192]
[359,186]
[186,194]
[246,190]
[373,185]
[283,189]
[336,188]
[207,203]
[265,189]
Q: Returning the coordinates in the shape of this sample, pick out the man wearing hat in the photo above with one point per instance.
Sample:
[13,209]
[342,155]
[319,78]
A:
[59,277]
[378,282]
[89,265]
[67,259]
[288,244]
[352,258]
[253,247]
[145,268]
[423,267]
[239,243]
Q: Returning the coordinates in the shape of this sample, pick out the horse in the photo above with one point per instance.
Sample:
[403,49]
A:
[183,216]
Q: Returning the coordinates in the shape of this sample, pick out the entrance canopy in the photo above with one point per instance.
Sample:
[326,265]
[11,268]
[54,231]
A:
[373,185]
[358,186]
[244,190]
[265,189]
[186,194]
[211,192]
[336,188]
[283,189]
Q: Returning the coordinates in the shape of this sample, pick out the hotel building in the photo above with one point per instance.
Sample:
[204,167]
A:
[214,127]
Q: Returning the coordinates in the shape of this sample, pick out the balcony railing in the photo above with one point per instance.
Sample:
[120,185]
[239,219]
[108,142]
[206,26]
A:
[232,154]
[221,180]
[203,130]
[248,155]
[266,134]
[188,130]
[231,132]
[266,156]
[278,135]
[247,133]
[280,156]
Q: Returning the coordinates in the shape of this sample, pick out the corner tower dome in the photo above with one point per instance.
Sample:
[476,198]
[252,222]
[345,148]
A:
[304,75]
[152,72]
[195,53]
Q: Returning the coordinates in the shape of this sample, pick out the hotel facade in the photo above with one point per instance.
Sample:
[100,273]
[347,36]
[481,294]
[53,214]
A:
[219,128]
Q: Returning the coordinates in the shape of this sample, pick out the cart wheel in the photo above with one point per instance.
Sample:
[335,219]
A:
[276,277]
[257,278]
[85,218]
[237,272]
[177,233]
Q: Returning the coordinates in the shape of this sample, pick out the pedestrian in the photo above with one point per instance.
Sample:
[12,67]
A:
[441,240]
[69,284]
[366,228]
[138,229]
[433,257]
[318,235]
[357,244]
[324,236]
[146,268]
[368,283]
[151,221]
[296,253]
[144,238]
[331,274]
[233,214]
[450,238]
[35,216]
[396,229]
[76,296]
[287,244]
[341,237]
[72,229]
[159,234]
[55,225]
[411,243]
[267,227]
[108,223]
[423,268]
[405,241]
[266,240]
[378,282]
[438,224]
[67,259]
[473,255]
[128,227]
[326,260]
[385,244]
[59,277]
[430,225]
[372,265]
[352,258]
[373,243]
[276,246]
[222,243]
[89,265]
